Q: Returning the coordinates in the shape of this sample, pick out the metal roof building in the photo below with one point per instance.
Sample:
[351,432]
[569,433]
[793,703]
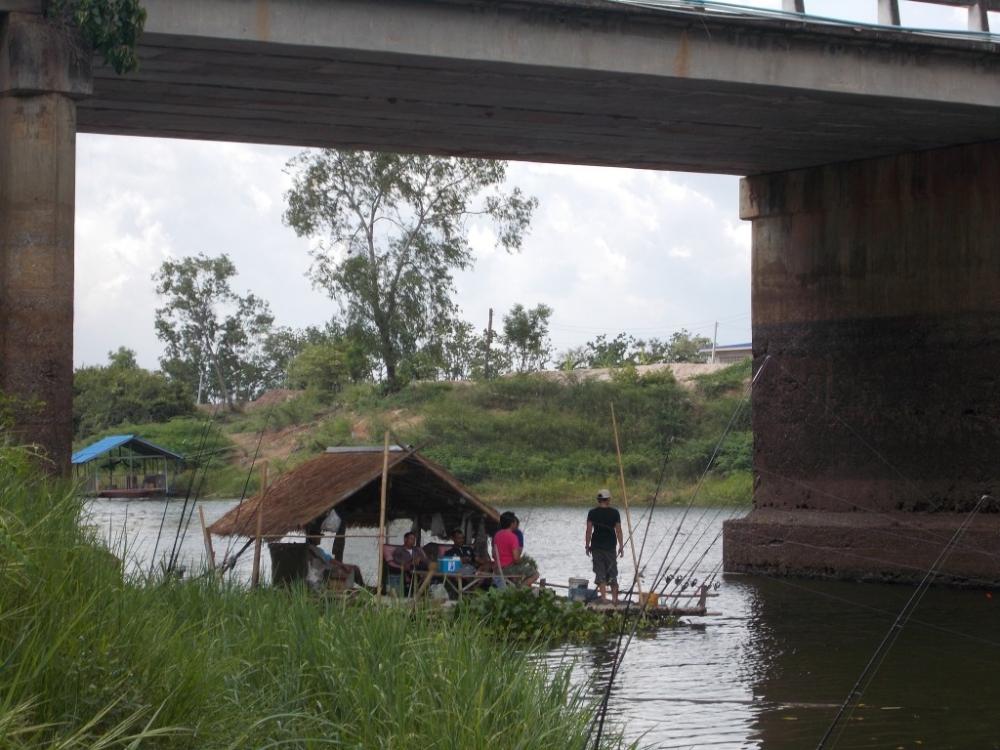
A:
[98,463]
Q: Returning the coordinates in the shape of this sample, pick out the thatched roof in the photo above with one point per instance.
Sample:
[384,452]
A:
[350,481]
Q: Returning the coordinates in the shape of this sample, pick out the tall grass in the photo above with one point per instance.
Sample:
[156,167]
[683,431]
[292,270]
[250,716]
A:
[92,659]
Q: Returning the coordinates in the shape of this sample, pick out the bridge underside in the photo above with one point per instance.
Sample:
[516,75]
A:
[876,269]
[580,81]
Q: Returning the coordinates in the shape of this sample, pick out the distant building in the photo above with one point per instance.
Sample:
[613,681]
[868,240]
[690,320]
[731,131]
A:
[728,354]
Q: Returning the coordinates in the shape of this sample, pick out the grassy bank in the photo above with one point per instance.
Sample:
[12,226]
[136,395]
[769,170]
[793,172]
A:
[517,441]
[92,660]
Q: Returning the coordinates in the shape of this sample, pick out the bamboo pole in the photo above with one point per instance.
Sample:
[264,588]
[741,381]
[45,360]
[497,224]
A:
[628,514]
[381,514]
[208,539]
[255,578]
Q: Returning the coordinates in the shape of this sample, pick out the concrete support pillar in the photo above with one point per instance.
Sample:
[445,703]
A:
[876,302]
[41,71]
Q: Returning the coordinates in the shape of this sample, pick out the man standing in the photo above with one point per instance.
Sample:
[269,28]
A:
[604,528]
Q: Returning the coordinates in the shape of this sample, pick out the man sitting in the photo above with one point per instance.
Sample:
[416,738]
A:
[409,557]
[470,562]
[508,552]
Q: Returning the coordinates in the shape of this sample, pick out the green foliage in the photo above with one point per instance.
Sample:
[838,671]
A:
[404,224]
[121,392]
[533,427]
[95,659]
[526,334]
[215,338]
[623,350]
[111,27]
[732,379]
[539,617]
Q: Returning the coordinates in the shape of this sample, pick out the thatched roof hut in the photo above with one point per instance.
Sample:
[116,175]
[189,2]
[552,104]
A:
[349,480]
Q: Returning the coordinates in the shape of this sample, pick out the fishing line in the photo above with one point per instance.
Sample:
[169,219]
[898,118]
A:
[859,605]
[166,500]
[197,485]
[871,668]
[243,494]
[704,475]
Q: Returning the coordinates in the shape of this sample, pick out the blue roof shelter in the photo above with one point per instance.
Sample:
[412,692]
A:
[142,467]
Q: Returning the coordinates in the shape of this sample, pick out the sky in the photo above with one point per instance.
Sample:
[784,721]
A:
[610,250]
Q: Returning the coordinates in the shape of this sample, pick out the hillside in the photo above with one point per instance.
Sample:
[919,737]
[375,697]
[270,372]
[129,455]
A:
[520,440]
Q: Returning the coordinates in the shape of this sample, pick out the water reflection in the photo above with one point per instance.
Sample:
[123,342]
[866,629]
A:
[767,673]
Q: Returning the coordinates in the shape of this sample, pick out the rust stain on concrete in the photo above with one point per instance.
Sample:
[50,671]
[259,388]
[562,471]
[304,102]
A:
[263,20]
[682,60]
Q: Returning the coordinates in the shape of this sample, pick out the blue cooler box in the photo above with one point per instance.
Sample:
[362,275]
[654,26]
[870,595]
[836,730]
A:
[450,564]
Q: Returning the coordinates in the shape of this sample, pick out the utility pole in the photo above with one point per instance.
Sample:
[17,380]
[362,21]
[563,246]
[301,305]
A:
[489,346]
[715,338]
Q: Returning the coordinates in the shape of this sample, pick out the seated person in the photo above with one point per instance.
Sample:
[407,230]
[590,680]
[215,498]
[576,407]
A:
[333,567]
[410,557]
[470,562]
[508,552]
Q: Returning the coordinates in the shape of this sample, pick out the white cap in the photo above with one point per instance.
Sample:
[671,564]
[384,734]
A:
[604,494]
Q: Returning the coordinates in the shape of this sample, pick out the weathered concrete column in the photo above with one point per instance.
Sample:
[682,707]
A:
[876,298]
[41,71]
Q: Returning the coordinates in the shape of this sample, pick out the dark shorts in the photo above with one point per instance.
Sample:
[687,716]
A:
[605,566]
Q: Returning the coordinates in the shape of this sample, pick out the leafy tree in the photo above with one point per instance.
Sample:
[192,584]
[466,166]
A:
[213,336]
[605,352]
[526,333]
[683,347]
[329,361]
[122,392]
[392,230]
[623,350]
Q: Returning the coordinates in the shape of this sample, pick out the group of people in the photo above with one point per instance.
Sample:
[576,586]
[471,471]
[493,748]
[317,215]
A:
[508,560]
[603,543]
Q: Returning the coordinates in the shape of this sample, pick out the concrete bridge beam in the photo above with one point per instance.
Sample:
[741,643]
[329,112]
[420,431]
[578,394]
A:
[41,73]
[876,306]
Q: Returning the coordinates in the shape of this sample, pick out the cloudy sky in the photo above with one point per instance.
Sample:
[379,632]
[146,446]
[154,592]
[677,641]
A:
[610,249]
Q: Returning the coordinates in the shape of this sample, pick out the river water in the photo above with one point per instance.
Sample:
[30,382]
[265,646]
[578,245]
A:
[768,671]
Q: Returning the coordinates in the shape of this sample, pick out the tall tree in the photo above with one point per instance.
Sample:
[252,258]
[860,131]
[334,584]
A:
[526,333]
[392,230]
[211,333]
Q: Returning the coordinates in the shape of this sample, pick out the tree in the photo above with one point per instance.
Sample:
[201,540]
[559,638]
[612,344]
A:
[122,392]
[214,337]
[684,347]
[526,334]
[392,230]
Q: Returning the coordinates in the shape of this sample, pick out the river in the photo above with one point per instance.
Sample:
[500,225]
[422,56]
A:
[768,671]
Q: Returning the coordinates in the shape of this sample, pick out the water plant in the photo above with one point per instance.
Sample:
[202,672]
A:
[530,616]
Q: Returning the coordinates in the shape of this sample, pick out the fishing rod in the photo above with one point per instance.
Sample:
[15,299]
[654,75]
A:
[246,486]
[868,673]
[166,500]
[620,646]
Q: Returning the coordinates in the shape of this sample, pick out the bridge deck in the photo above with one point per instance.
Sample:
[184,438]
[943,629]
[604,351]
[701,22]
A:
[584,81]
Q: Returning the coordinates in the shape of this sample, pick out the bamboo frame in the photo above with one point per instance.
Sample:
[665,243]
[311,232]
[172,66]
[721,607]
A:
[255,577]
[381,513]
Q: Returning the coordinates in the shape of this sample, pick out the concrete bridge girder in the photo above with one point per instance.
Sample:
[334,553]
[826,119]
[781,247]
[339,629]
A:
[862,244]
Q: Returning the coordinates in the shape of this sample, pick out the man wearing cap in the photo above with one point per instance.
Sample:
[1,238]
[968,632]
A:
[604,528]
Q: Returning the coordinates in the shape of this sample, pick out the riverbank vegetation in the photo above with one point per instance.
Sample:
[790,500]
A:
[521,440]
[94,659]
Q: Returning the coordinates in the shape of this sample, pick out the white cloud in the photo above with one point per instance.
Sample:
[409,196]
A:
[609,249]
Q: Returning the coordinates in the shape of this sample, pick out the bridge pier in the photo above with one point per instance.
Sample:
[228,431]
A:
[42,71]
[876,315]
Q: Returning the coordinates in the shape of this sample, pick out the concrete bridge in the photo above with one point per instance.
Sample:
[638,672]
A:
[872,164]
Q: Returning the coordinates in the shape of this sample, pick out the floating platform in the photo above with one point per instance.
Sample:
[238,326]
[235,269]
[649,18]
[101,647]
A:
[136,493]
